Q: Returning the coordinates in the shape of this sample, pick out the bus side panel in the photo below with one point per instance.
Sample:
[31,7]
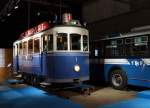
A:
[137,75]
[109,67]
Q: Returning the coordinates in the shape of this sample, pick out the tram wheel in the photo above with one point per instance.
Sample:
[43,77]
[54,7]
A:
[118,79]
[35,80]
[24,77]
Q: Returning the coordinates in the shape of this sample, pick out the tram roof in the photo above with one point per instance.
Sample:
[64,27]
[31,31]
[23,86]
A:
[52,27]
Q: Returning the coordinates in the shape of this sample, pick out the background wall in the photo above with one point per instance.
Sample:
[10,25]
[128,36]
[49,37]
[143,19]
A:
[5,59]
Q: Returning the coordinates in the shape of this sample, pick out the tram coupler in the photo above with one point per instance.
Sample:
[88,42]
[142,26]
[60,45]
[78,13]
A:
[85,89]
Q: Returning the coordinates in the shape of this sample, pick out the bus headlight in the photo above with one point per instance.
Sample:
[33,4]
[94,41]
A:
[77,68]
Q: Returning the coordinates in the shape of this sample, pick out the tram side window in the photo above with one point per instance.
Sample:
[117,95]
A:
[62,41]
[20,48]
[25,44]
[15,50]
[45,37]
[50,43]
[85,43]
[30,46]
[36,45]
[75,41]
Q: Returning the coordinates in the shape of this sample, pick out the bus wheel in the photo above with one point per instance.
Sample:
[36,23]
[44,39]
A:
[118,79]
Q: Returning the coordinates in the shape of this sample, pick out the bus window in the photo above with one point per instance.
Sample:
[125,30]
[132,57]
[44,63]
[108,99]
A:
[62,41]
[36,45]
[85,43]
[140,47]
[75,41]
[129,46]
[50,42]
[114,48]
[30,46]
[25,47]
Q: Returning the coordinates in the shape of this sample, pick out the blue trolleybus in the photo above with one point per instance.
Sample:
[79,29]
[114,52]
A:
[58,54]
[125,58]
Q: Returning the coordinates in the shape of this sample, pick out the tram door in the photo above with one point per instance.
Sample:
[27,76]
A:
[47,55]
[15,61]
[36,56]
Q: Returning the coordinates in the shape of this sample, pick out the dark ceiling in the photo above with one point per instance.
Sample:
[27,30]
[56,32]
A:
[16,16]
[29,13]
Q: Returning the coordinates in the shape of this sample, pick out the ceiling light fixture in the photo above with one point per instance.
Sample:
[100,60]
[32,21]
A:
[16,7]
[8,14]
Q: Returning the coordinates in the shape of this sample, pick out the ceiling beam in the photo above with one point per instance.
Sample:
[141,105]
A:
[8,7]
[123,1]
[46,3]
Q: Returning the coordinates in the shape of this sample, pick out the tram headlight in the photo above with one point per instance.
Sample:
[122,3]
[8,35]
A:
[77,68]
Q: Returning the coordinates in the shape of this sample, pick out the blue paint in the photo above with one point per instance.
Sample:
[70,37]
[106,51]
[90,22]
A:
[144,94]
[133,103]
[56,66]
[61,66]
[137,72]
[29,97]
[142,100]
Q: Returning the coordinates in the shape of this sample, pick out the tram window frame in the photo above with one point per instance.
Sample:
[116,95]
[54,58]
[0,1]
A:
[30,46]
[50,42]
[20,49]
[25,47]
[77,43]
[85,47]
[34,45]
[62,42]
[45,43]
[15,47]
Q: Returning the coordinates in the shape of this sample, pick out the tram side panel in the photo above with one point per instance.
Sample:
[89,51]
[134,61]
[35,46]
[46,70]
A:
[62,67]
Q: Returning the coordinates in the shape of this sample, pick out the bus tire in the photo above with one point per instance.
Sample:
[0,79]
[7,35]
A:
[118,79]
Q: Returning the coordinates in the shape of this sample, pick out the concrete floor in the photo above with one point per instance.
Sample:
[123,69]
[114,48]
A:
[103,95]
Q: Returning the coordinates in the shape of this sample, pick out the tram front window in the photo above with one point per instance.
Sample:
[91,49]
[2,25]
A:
[62,41]
[75,41]
[85,43]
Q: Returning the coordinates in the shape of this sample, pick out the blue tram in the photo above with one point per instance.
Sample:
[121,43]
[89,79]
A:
[58,54]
